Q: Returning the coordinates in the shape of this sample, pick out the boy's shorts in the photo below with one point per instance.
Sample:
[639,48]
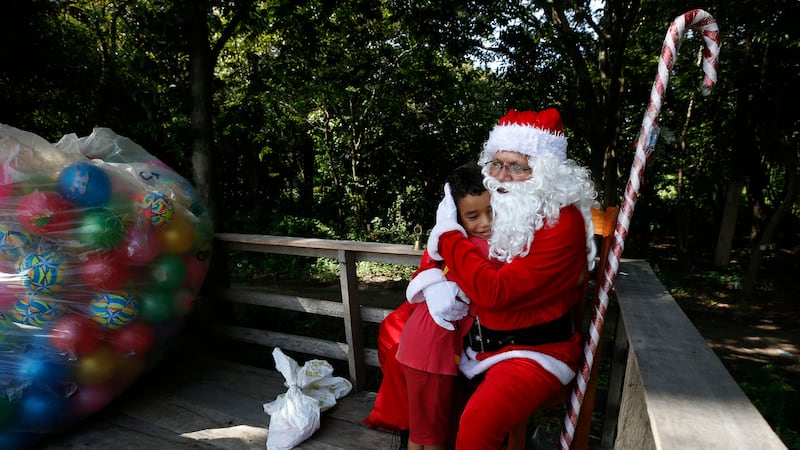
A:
[430,406]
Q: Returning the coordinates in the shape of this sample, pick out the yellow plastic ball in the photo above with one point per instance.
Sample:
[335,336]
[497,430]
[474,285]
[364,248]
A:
[97,367]
[176,237]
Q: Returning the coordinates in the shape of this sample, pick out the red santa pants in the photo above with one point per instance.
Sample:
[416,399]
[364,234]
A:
[510,392]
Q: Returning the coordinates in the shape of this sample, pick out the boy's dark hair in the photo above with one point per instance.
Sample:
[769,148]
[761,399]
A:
[466,180]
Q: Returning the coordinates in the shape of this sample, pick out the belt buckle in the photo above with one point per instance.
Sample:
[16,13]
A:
[480,333]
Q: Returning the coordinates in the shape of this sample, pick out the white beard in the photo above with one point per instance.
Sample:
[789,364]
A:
[516,218]
[520,208]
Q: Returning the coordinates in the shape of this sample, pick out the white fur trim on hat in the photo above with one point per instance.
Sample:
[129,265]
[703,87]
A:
[525,139]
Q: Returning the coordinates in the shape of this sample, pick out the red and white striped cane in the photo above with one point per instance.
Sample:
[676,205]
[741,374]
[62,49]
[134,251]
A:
[704,23]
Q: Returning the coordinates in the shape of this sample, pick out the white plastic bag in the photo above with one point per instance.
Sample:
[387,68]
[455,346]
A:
[295,415]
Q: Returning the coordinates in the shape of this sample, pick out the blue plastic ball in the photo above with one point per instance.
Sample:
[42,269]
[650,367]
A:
[43,369]
[10,440]
[84,184]
[40,410]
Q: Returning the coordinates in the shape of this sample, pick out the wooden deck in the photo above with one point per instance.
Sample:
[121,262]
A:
[198,400]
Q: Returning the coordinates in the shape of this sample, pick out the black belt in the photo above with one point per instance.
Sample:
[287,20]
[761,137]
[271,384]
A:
[483,339]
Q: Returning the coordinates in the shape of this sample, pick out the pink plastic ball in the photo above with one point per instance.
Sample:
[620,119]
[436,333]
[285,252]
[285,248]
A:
[105,271]
[45,212]
[140,245]
[196,270]
[135,339]
[89,399]
[6,187]
[76,334]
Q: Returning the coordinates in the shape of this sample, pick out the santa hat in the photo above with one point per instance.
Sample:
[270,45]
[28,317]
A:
[528,132]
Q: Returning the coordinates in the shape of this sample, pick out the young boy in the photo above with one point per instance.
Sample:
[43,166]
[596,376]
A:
[428,352]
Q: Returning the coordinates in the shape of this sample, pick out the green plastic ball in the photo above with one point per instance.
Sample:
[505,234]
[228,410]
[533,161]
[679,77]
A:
[100,228]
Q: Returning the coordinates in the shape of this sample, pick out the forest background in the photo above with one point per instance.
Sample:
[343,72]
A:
[340,119]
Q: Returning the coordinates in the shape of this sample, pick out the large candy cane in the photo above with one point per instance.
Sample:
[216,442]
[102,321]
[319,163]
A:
[703,22]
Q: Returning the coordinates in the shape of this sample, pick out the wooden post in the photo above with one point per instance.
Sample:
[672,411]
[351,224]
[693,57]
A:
[352,319]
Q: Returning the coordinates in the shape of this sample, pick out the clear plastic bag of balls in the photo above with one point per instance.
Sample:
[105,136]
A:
[103,250]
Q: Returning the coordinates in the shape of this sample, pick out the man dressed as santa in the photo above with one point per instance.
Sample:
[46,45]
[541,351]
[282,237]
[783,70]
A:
[523,344]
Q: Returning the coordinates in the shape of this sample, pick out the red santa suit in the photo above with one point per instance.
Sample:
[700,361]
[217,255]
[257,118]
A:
[529,291]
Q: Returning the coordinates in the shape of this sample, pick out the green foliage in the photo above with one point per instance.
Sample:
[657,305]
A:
[341,119]
[775,398]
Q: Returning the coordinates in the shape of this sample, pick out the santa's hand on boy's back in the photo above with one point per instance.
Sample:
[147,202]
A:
[443,305]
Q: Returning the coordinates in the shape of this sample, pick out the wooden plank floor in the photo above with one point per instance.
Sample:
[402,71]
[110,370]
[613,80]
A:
[193,401]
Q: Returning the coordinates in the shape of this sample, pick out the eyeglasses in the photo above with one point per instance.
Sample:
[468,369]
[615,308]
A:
[516,169]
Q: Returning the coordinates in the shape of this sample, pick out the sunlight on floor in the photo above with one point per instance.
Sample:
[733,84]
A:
[247,434]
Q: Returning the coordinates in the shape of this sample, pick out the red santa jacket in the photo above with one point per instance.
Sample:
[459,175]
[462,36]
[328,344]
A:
[530,290]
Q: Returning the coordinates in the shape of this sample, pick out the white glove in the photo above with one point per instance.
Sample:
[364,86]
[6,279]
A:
[443,306]
[446,220]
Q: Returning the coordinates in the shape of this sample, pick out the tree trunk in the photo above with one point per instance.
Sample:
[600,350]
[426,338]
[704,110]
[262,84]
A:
[773,225]
[200,74]
[727,228]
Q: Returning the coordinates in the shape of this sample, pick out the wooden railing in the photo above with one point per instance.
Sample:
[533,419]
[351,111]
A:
[350,308]
[667,389]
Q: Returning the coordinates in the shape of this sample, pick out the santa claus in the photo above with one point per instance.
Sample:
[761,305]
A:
[523,343]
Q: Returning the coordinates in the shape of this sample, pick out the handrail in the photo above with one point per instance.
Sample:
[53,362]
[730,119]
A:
[677,394]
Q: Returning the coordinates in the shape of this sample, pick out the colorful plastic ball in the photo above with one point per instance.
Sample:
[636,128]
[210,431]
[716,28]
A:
[140,246]
[39,409]
[13,243]
[11,440]
[42,368]
[89,399]
[123,207]
[84,184]
[156,208]
[45,212]
[6,183]
[183,302]
[100,228]
[35,310]
[42,272]
[104,271]
[10,292]
[203,235]
[10,334]
[196,269]
[176,237]
[128,369]
[96,367]
[113,310]
[75,334]
[156,306]
[168,271]
[134,340]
